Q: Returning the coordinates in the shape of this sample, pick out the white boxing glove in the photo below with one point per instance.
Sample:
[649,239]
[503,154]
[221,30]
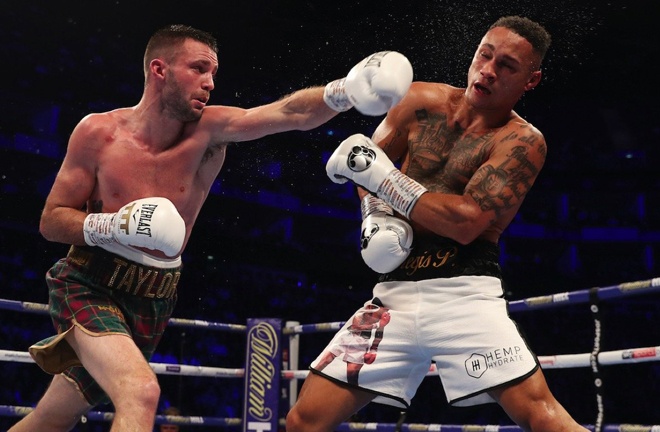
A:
[385,240]
[373,86]
[152,223]
[359,159]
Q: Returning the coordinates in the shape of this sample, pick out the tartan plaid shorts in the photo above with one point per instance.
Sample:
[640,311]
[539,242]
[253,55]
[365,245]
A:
[78,297]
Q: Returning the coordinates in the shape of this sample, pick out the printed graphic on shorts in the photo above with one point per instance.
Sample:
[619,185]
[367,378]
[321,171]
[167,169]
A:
[358,344]
[478,363]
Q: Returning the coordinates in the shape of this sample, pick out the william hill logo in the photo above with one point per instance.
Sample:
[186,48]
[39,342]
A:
[263,346]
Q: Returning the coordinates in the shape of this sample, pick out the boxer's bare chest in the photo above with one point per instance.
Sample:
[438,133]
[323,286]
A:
[128,170]
[442,154]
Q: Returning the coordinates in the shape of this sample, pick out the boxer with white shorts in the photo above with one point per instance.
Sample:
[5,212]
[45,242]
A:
[425,312]
[431,226]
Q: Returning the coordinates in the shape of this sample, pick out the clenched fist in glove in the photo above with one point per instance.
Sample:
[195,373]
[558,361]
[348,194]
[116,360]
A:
[385,239]
[152,223]
[373,86]
[359,159]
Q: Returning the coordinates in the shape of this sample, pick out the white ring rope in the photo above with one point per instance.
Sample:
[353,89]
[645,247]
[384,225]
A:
[22,411]
[565,361]
[176,322]
[159,368]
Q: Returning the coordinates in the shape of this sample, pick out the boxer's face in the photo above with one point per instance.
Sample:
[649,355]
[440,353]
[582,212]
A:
[503,68]
[189,80]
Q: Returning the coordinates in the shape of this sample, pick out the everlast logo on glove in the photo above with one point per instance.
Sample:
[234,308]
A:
[144,223]
[145,212]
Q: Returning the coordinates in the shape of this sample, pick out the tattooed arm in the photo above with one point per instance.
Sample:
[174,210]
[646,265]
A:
[477,177]
[493,194]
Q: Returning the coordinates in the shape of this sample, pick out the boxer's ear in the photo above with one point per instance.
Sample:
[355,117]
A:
[534,80]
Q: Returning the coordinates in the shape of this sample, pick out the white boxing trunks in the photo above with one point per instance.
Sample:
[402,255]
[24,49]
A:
[461,323]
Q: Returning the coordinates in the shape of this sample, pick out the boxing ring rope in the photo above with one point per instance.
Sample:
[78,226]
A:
[289,361]
[18,411]
[41,308]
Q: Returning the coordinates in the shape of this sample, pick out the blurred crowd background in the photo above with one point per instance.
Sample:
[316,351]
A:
[277,238]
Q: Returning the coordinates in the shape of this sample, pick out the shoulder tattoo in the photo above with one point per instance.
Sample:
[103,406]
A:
[502,187]
[210,151]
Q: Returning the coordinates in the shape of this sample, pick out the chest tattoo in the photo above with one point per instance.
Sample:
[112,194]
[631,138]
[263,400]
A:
[444,156]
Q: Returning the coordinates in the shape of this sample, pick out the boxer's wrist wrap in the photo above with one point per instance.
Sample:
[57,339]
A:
[335,96]
[97,228]
[371,204]
[400,191]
